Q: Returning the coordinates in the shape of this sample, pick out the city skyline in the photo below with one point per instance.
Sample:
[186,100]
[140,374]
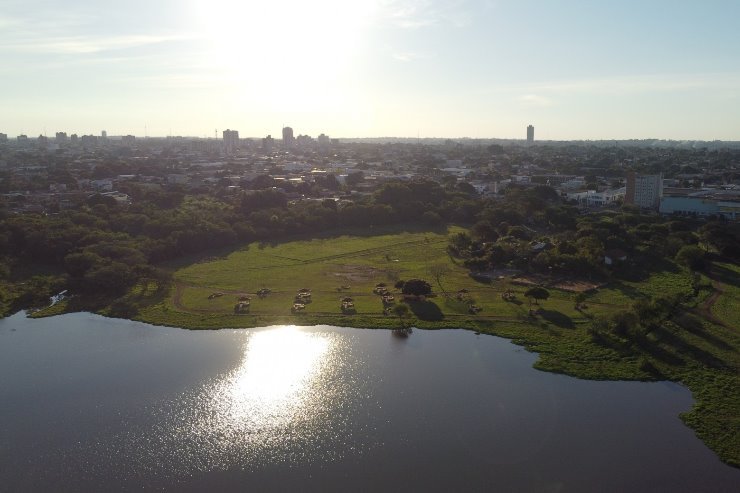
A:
[373,68]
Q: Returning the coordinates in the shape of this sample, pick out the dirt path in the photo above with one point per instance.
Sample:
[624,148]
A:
[705,309]
[177,298]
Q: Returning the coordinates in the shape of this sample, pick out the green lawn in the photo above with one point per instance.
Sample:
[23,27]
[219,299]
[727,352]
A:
[727,306]
[346,266]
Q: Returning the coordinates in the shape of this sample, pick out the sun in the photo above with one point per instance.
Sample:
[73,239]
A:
[290,50]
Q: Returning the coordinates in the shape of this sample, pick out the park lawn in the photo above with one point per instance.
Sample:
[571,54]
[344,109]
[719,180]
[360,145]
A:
[350,266]
[665,283]
[621,294]
[727,306]
[335,261]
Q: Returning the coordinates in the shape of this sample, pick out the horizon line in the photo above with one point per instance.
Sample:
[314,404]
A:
[523,139]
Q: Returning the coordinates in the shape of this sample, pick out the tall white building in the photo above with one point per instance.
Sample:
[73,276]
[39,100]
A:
[530,134]
[644,191]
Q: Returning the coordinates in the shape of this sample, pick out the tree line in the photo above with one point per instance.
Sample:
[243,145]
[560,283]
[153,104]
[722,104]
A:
[103,248]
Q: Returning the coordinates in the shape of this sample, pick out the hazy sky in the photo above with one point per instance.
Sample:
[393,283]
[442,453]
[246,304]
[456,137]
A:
[587,69]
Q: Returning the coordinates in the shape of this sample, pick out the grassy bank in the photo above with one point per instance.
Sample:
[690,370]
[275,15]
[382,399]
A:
[698,346]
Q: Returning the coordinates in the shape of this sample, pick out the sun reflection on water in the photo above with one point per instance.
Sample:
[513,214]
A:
[276,404]
[275,381]
[291,396]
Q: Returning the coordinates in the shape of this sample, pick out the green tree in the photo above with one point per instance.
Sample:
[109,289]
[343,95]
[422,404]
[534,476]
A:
[402,312]
[537,293]
[438,271]
[579,299]
[417,287]
[112,279]
[77,264]
[691,256]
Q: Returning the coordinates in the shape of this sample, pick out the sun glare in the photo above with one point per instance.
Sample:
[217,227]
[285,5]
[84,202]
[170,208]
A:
[273,384]
[287,51]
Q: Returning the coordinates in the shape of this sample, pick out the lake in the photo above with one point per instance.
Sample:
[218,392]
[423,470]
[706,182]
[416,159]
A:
[95,404]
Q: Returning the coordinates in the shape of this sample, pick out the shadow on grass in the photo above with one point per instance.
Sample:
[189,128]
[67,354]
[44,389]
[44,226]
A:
[660,264]
[87,303]
[659,353]
[557,318]
[426,310]
[367,232]
[126,306]
[456,306]
[632,274]
[682,347]
[724,275]
[641,271]
[616,345]
[631,348]
[201,257]
[362,232]
[627,290]
[693,325]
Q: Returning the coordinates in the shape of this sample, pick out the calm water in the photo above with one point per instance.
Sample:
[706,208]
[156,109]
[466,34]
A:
[92,404]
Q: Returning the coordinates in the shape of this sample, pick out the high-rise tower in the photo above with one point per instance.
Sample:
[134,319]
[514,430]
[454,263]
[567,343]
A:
[644,191]
[288,138]
[231,140]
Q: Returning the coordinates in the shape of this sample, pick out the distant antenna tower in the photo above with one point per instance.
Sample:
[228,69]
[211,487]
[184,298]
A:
[215,133]
[145,134]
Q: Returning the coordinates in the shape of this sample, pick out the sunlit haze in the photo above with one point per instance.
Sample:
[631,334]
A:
[371,68]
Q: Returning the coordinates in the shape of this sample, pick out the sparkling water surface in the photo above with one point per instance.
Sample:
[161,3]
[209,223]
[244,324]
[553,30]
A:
[90,404]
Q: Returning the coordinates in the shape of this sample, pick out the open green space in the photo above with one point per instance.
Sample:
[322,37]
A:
[335,268]
[697,345]
[727,305]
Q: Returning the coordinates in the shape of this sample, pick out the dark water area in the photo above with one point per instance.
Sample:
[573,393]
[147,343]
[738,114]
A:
[95,404]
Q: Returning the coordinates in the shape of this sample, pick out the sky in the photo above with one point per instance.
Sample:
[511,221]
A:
[575,69]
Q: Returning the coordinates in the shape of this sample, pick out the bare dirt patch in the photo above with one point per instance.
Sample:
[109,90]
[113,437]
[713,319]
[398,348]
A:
[575,285]
[531,280]
[356,273]
[705,309]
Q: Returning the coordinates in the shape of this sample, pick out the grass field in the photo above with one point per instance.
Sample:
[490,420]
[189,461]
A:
[699,347]
[727,305]
[346,267]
